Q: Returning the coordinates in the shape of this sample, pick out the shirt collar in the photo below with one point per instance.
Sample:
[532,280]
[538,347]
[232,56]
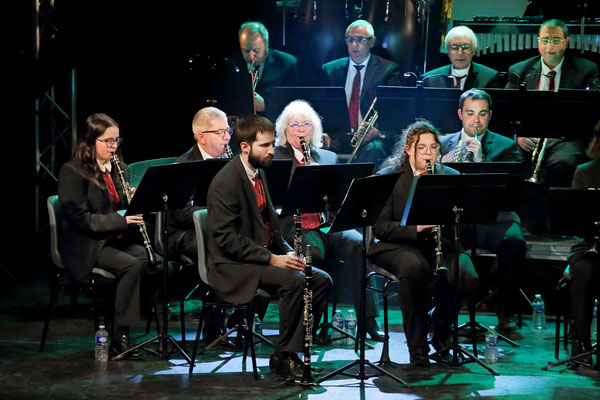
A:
[298,154]
[557,69]
[105,167]
[205,155]
[251,174]
[460,72]
[364,63]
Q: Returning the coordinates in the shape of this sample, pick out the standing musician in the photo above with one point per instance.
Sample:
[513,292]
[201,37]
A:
[360,73]
[404,251]
[300,120]
[270,67]
[212,134]
[246,250]
[461,46]
[504,237]
[551,71]
[584,262]
[93,234]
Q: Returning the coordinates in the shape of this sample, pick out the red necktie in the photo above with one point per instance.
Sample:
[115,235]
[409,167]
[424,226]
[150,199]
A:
[310,220]
[355,99]
[457,80]
[551,74]
[112,190]
[261,199]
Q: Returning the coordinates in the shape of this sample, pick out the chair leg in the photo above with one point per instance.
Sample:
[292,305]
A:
[385,352]
[197,340]
[49,312]
[182,318]
[471,308]
[247,333]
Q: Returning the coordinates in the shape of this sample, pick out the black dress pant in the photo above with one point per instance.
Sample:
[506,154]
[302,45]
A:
[585,287]
[289,285]
[415,273]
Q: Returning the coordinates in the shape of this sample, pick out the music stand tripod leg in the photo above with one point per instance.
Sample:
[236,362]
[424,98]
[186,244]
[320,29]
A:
[362,362]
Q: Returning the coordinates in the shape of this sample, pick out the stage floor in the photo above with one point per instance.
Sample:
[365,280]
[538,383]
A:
[67,370]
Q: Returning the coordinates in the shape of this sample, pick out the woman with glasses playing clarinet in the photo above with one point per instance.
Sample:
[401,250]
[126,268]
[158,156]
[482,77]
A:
[423,264]
[93,234]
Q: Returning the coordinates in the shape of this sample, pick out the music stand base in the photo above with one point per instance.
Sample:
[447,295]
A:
[455,362]
[361,374]
[162,345]
[474,325]
[574,360]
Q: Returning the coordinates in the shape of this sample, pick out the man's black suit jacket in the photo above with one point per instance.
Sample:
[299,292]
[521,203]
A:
[576,73]
[88,218]
[237,241]
[281,69]
[494,147]
[379,72]
[479,76]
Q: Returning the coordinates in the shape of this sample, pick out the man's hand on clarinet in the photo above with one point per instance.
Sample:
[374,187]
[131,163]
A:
[288,261]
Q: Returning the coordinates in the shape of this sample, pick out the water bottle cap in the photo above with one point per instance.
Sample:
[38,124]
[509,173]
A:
[492,327]
[101,326]
[338,311]
[538,295]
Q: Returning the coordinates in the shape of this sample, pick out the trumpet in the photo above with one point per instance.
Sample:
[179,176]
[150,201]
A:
[536,159]
[127,190]
[305,150]
[367,123]
[228,151]
[440,268]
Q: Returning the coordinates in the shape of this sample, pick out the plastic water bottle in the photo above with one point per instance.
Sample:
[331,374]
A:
[539,312]
[258,329]
[102,344]
[491,346]
[350,326]
[594,327]
[338,322]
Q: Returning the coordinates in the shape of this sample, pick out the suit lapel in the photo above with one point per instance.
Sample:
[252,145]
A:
[533,75]
[472,77]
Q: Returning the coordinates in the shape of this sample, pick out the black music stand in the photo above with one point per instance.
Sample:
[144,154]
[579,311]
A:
[361,207]
[161,188]
[278,178]
[516,172]
[575,212]
[452,199]
[328,186]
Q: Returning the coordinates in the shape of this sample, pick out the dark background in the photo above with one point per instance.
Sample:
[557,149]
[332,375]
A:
[131,59]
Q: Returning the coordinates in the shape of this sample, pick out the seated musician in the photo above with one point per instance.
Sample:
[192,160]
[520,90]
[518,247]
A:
[300,120]
[246,250]
[461,45]
[212,135]
[552,71]
[93,234]
[273,67]
[585,264]
[505,238]
[406,252]
[360,73]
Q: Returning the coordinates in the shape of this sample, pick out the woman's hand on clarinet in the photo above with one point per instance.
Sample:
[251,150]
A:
[421,228]
[134,219]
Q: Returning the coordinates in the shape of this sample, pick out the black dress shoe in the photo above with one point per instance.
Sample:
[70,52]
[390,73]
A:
[121,345]
[418,356]
[374,331]
[286,364]
[581,347]
[506,323]
[441,343]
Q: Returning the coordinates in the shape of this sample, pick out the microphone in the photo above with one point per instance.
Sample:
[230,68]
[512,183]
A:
[421,81]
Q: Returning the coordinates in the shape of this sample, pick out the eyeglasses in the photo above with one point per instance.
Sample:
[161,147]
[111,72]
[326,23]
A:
[357,39]
[221,132]
[422,149]
[304,125]
[111,142]
[554,41]
[464,46]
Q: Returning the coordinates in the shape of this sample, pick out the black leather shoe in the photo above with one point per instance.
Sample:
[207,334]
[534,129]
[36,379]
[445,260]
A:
[121,345]
[374,331]
[581,347]
[441,343]
[286,364]
[418,356]
[506,323]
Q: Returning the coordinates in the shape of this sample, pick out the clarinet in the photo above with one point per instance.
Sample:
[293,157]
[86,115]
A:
[307,318]
[127,190]
[298,234]
[228,151]
[305,151]
[440,268]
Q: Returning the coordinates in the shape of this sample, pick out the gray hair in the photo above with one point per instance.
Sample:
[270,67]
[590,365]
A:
[362,22]
[461,31]
[299,109]
[255,28]
[204,116]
